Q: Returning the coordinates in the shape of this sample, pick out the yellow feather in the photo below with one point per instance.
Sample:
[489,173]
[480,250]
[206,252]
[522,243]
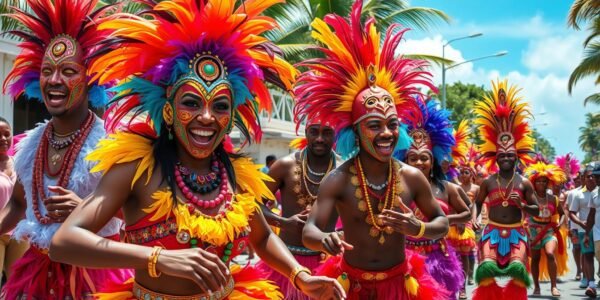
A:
[124,148]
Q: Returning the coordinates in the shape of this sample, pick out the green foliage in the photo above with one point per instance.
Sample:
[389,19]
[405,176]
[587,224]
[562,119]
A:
[589,136]
[543,146]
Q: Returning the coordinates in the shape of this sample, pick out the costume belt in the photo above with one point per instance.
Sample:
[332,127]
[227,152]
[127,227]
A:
[504,236]
[542,233]
[143,293]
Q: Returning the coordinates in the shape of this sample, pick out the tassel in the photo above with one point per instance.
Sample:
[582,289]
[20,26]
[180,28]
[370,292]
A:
[411,285]
[488,269]
[344,282]
[518,271]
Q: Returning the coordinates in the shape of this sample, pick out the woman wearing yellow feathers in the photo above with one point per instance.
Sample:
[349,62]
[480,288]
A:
[548,253]
[192,69]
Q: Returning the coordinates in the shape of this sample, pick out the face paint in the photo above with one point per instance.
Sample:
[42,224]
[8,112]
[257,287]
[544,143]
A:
[62,79]
[202,117]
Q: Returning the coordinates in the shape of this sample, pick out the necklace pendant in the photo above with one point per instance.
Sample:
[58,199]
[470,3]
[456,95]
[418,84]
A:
[381,239]
[504,203]
[183,237]
[374,232]
[55,158]
[380,206]
[362,205]
[354,180]
[368,220]
[389,230]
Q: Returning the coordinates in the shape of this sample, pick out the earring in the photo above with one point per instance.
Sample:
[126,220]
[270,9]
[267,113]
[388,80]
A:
[168,117]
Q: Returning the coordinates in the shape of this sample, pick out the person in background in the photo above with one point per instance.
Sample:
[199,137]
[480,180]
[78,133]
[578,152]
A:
[10,249]
[269,160]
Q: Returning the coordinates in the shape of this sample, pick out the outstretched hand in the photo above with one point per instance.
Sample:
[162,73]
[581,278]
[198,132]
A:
[404,222]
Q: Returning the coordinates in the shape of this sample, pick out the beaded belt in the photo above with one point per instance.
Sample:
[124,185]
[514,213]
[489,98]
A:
[297,250]
[422,242]
[143,293]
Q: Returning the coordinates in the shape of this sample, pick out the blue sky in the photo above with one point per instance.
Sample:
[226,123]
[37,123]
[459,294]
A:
[542,53]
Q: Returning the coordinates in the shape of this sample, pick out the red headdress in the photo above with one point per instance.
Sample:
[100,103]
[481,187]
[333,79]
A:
[358,76]
[502,117]
[57,28]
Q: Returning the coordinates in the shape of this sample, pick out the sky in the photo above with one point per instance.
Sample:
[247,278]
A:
[542,52]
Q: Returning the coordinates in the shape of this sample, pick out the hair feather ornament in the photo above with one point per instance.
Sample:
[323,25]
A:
[49,22]
[206,41]
[551,171]
[502,117]
[355,62]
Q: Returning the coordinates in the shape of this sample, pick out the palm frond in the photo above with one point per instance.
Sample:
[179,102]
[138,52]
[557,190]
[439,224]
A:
[433,59]
[7,23]
[594,99]
[324,7]
[590,65]
[583,10]
[594,30]
[421,18]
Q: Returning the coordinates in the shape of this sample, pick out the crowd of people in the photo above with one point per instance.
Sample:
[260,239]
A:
[381,199]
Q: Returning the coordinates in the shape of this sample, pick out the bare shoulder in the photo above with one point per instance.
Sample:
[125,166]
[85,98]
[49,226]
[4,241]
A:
[338,176]
[411,175]
[285,162]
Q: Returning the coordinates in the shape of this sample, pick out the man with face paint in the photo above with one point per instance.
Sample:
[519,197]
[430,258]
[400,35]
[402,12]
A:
[503,246]
[298,177]
[363,90]
[190,202]
[60,40]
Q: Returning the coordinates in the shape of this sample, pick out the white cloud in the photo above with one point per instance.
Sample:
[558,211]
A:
[549,59]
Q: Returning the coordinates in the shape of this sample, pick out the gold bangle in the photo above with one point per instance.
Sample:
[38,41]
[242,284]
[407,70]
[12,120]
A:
[421,230]
[297,270]
[152,260]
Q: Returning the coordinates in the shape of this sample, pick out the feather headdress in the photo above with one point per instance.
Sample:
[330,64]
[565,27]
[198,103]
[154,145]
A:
[551,171]
[355,62]
[59,27]
[431,131]
[502,117]
[569,164]
[206,41]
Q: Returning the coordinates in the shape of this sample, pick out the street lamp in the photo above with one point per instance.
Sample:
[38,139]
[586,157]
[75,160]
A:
[444,69]
[474,35]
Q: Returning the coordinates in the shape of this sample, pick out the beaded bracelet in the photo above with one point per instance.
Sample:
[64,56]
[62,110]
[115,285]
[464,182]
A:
[421,230]
[152,259]
[297,270]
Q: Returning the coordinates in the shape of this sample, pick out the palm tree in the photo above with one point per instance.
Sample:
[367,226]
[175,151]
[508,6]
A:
[587,11]
[295,16]
[589,137]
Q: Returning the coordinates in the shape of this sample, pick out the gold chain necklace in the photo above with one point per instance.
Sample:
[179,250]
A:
[364,201]
[300,178]
[504,194]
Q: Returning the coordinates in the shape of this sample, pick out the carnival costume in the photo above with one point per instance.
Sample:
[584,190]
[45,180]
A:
[570,165]
[58,30]
[545,227]
[502,118]
[305,198]
[360,77]
[464,242]
[212,45]
[431,132]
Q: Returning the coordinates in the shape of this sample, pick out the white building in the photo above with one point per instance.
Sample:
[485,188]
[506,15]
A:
[278,130]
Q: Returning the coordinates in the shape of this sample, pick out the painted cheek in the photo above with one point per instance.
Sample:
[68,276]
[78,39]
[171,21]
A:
[184,116]
[76,87]
[223,121]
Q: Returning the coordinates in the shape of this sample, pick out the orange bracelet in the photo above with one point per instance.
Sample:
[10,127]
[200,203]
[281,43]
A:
[152,259]
[297,270]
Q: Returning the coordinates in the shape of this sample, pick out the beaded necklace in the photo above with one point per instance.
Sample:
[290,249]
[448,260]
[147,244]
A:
[362,192]
[64,172]
[201,184]
[301,178]
[195,202]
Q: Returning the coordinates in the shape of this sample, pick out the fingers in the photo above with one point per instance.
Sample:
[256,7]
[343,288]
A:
[57,199]
[59,206]
[303,218]
[329,246]
[347,246]
[208,278]
[218,269]
[200,281]
[338,290]
[58,190]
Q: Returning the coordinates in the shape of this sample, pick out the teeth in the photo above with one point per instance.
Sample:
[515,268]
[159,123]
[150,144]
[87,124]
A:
[384,144]
[56,94]
[204,133]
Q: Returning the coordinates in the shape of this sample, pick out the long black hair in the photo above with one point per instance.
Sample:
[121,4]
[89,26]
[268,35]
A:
[437,175]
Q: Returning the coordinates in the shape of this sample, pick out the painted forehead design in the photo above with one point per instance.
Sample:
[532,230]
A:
[61,48]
